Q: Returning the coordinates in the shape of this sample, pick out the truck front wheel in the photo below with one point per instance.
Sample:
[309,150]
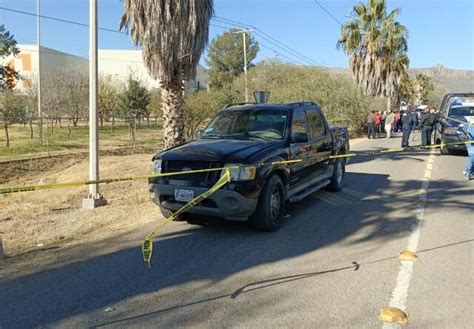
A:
[271,204]
[167,214]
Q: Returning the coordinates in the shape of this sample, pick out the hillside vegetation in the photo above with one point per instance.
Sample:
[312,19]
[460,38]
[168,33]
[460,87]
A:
[342,101]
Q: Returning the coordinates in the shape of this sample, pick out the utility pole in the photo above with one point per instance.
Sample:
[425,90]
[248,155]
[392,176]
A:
[38,40]
[244,32]
[94,199]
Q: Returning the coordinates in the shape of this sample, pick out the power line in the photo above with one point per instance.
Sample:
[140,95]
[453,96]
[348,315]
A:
[328,12]
[268,38]
[58,19]
[280,54]
[259,32]
[263,46]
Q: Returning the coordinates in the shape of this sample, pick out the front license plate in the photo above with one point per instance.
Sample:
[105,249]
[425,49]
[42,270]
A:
[181,195]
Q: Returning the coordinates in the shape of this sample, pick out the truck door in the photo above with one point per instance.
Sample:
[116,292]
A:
[299,150]
[321,142]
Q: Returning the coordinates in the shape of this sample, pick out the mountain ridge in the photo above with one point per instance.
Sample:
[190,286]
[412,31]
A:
[450,80]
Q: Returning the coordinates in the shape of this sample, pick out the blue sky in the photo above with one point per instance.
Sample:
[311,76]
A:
[441,32]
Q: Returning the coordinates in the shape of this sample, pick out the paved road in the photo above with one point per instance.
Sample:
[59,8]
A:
[332,264]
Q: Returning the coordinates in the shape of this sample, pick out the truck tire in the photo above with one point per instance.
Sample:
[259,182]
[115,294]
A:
[167,214]
[337,178]
[271,205]
[445,151]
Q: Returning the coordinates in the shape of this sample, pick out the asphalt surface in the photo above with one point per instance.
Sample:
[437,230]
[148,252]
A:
[332,264]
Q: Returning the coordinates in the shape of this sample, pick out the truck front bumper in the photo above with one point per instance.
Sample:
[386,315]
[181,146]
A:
[223,203]
[454,142]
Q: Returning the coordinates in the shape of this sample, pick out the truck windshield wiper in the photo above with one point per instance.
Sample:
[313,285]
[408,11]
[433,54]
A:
[256,136]
[212,136]
[248,135]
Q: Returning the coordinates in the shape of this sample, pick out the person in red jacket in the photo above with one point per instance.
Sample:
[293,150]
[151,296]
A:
[378,123]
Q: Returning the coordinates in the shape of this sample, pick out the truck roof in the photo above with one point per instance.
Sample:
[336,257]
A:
[269,106]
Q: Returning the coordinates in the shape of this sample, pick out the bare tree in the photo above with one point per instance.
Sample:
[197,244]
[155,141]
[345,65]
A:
[12,110]
[109,95]
[77,89]
[31,98]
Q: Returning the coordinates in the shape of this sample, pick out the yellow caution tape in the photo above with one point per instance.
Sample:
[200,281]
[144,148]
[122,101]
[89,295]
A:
[27,188]
[399,149]
[147,246]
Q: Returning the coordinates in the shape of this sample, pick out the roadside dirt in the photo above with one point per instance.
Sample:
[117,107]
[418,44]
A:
[49,219]
[45,219]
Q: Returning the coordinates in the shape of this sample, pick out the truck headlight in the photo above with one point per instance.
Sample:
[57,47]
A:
[157,166]
[240,172]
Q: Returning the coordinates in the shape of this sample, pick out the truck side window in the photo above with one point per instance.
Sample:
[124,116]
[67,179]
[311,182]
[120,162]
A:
[316,123]
[300,123]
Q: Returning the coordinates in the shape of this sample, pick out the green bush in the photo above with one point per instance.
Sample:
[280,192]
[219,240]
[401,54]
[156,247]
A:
[341,100]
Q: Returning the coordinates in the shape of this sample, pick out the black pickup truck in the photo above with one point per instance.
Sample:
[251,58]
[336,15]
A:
[457,109]
[253,135]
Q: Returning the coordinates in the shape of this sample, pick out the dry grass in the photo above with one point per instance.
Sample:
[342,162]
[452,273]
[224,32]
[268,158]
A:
[35,220]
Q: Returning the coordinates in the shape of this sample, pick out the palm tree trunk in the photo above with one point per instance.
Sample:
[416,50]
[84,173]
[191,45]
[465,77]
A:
[173,116]
[390,104]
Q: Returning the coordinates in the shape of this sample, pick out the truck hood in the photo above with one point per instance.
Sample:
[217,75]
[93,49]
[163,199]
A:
[217,150]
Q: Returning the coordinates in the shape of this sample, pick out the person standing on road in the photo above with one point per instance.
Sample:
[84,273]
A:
[427,122]
[468,132]
[378,123]
[371,125]
[407,125]
[389,119]
[396,124]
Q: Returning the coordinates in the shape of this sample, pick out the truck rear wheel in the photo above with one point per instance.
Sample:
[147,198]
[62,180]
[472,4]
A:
[337,178]
[271,204]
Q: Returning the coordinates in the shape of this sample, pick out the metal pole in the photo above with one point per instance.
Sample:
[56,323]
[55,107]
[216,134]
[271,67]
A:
[38,39]
[245,69]
[245,61]
[94,199]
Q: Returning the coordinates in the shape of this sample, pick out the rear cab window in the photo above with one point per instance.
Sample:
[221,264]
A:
[316,123]
[300,123]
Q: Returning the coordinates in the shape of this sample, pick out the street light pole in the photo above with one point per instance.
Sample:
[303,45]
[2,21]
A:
[245,69]
[94,199]
[38,40]
[244,32]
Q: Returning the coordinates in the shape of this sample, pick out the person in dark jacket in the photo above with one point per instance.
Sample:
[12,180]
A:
[427,122]
[371,125]
[408,123]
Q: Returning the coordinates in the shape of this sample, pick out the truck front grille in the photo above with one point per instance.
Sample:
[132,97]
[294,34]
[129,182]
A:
[205,177]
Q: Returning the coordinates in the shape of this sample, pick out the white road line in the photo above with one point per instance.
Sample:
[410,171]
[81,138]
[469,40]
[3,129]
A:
[400,293]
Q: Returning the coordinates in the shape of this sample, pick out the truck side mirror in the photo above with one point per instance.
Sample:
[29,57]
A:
[198,133]
[300,137]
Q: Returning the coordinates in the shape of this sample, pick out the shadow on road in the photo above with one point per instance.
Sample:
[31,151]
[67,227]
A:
[216,252]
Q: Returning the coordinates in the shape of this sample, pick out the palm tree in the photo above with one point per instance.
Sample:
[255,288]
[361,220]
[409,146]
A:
[422,87]
[173,35]
[376,45]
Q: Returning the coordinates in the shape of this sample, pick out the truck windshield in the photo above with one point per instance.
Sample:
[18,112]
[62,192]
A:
[247,124]
[462,111]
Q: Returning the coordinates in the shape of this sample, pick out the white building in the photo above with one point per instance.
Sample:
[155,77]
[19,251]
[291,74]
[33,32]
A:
[114,62]
[121,63]
[26,63]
